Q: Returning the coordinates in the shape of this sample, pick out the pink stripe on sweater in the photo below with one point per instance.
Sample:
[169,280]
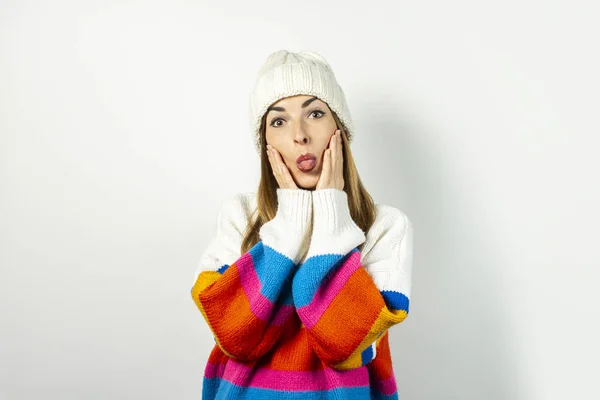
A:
[387,386]
[259,304]
[311,313]
[325,379]
[213,370]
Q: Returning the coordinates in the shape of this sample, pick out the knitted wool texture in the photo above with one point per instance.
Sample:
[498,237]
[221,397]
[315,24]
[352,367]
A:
[298,321]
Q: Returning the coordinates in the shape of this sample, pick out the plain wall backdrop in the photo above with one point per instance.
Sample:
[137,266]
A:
[124,126]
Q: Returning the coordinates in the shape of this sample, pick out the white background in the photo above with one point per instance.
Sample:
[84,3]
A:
[124,126]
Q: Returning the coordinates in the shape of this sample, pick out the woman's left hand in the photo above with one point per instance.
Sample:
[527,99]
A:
[332,173]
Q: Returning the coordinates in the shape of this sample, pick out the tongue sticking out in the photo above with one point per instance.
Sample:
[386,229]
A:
[307,165]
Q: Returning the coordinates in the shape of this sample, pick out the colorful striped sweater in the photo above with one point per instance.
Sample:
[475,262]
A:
[304,314]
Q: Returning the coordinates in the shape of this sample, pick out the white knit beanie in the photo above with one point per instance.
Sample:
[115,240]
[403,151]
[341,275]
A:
[285,74]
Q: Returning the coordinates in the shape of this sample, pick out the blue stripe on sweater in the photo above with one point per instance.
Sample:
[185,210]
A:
[311,277]
[367,355]
[226,390]
[274,272]
[312,273]
[223,269]
[395,300]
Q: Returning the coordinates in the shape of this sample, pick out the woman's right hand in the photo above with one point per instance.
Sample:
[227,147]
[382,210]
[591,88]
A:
[280,170]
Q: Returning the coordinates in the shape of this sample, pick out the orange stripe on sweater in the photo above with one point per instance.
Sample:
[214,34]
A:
[227,297]
[381,366]
[349,317]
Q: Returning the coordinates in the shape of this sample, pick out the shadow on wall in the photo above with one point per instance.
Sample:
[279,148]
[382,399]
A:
[455,342]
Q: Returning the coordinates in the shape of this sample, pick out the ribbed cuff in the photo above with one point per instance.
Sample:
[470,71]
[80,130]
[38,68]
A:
[295,207]
[331,212]
[288,232]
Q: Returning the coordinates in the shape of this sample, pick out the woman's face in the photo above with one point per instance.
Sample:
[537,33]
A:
[298,125]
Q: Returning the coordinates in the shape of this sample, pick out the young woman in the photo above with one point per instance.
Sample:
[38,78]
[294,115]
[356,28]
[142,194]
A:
[304,278]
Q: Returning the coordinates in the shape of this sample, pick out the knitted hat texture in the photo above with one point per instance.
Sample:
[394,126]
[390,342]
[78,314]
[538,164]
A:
[286,74]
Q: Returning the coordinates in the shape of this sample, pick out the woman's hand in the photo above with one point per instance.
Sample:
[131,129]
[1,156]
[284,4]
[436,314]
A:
[280,170]
[332,173]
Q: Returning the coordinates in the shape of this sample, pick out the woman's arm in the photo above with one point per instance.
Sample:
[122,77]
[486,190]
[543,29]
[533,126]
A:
[346,306]
[243,299]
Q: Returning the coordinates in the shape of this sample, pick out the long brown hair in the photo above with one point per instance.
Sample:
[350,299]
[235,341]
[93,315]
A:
[360,202]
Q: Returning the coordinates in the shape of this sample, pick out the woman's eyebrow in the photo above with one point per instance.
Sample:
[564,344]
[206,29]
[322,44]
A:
[304,105]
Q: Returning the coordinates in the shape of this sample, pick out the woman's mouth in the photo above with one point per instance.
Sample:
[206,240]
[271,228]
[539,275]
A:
[306,162]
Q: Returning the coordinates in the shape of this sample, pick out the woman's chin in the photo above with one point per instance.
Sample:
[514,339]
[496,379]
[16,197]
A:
[306,182]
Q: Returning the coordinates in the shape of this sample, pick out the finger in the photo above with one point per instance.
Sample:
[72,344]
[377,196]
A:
[341,161]
[284,172]
[326,172]
[271,160]
[335,156]
[274,167]
[333,146]
[335,170]
[340,157]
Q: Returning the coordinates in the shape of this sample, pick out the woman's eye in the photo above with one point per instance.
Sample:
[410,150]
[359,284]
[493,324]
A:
[318,112]
[275,120]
